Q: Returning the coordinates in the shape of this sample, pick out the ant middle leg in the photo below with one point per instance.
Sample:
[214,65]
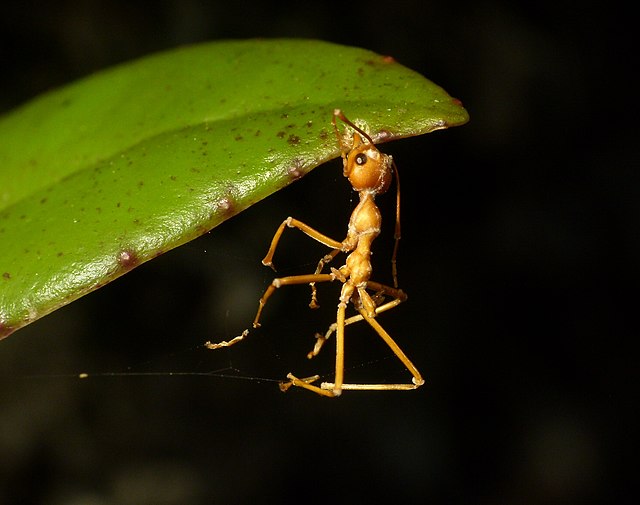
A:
[288,281]
[275,284]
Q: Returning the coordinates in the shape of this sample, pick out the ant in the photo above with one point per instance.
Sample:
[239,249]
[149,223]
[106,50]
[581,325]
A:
[370,173]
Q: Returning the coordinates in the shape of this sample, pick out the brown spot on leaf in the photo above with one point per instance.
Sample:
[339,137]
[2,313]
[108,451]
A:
[293,140]
[296,170]
[225,205]
[6,275]
[128,259]
[383,135]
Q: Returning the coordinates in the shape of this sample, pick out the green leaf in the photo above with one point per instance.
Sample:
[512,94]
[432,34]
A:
[115,169]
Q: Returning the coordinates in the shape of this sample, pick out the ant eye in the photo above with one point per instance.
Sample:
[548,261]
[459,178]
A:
[361,159]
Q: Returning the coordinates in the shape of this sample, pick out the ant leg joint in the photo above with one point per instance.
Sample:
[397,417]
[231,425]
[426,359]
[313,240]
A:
[417,382]
[330,386]
[337,274]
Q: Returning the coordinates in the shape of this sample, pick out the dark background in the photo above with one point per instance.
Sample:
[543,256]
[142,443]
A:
[519,231]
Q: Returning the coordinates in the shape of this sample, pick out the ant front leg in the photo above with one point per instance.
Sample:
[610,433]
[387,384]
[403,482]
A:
[306,229]
[314,234]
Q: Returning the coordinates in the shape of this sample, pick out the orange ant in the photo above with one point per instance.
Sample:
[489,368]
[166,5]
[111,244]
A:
[370,173]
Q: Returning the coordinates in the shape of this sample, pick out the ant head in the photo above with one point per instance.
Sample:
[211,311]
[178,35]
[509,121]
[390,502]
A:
[367,168]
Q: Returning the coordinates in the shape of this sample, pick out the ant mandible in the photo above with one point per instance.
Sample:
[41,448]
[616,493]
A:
[370,173]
